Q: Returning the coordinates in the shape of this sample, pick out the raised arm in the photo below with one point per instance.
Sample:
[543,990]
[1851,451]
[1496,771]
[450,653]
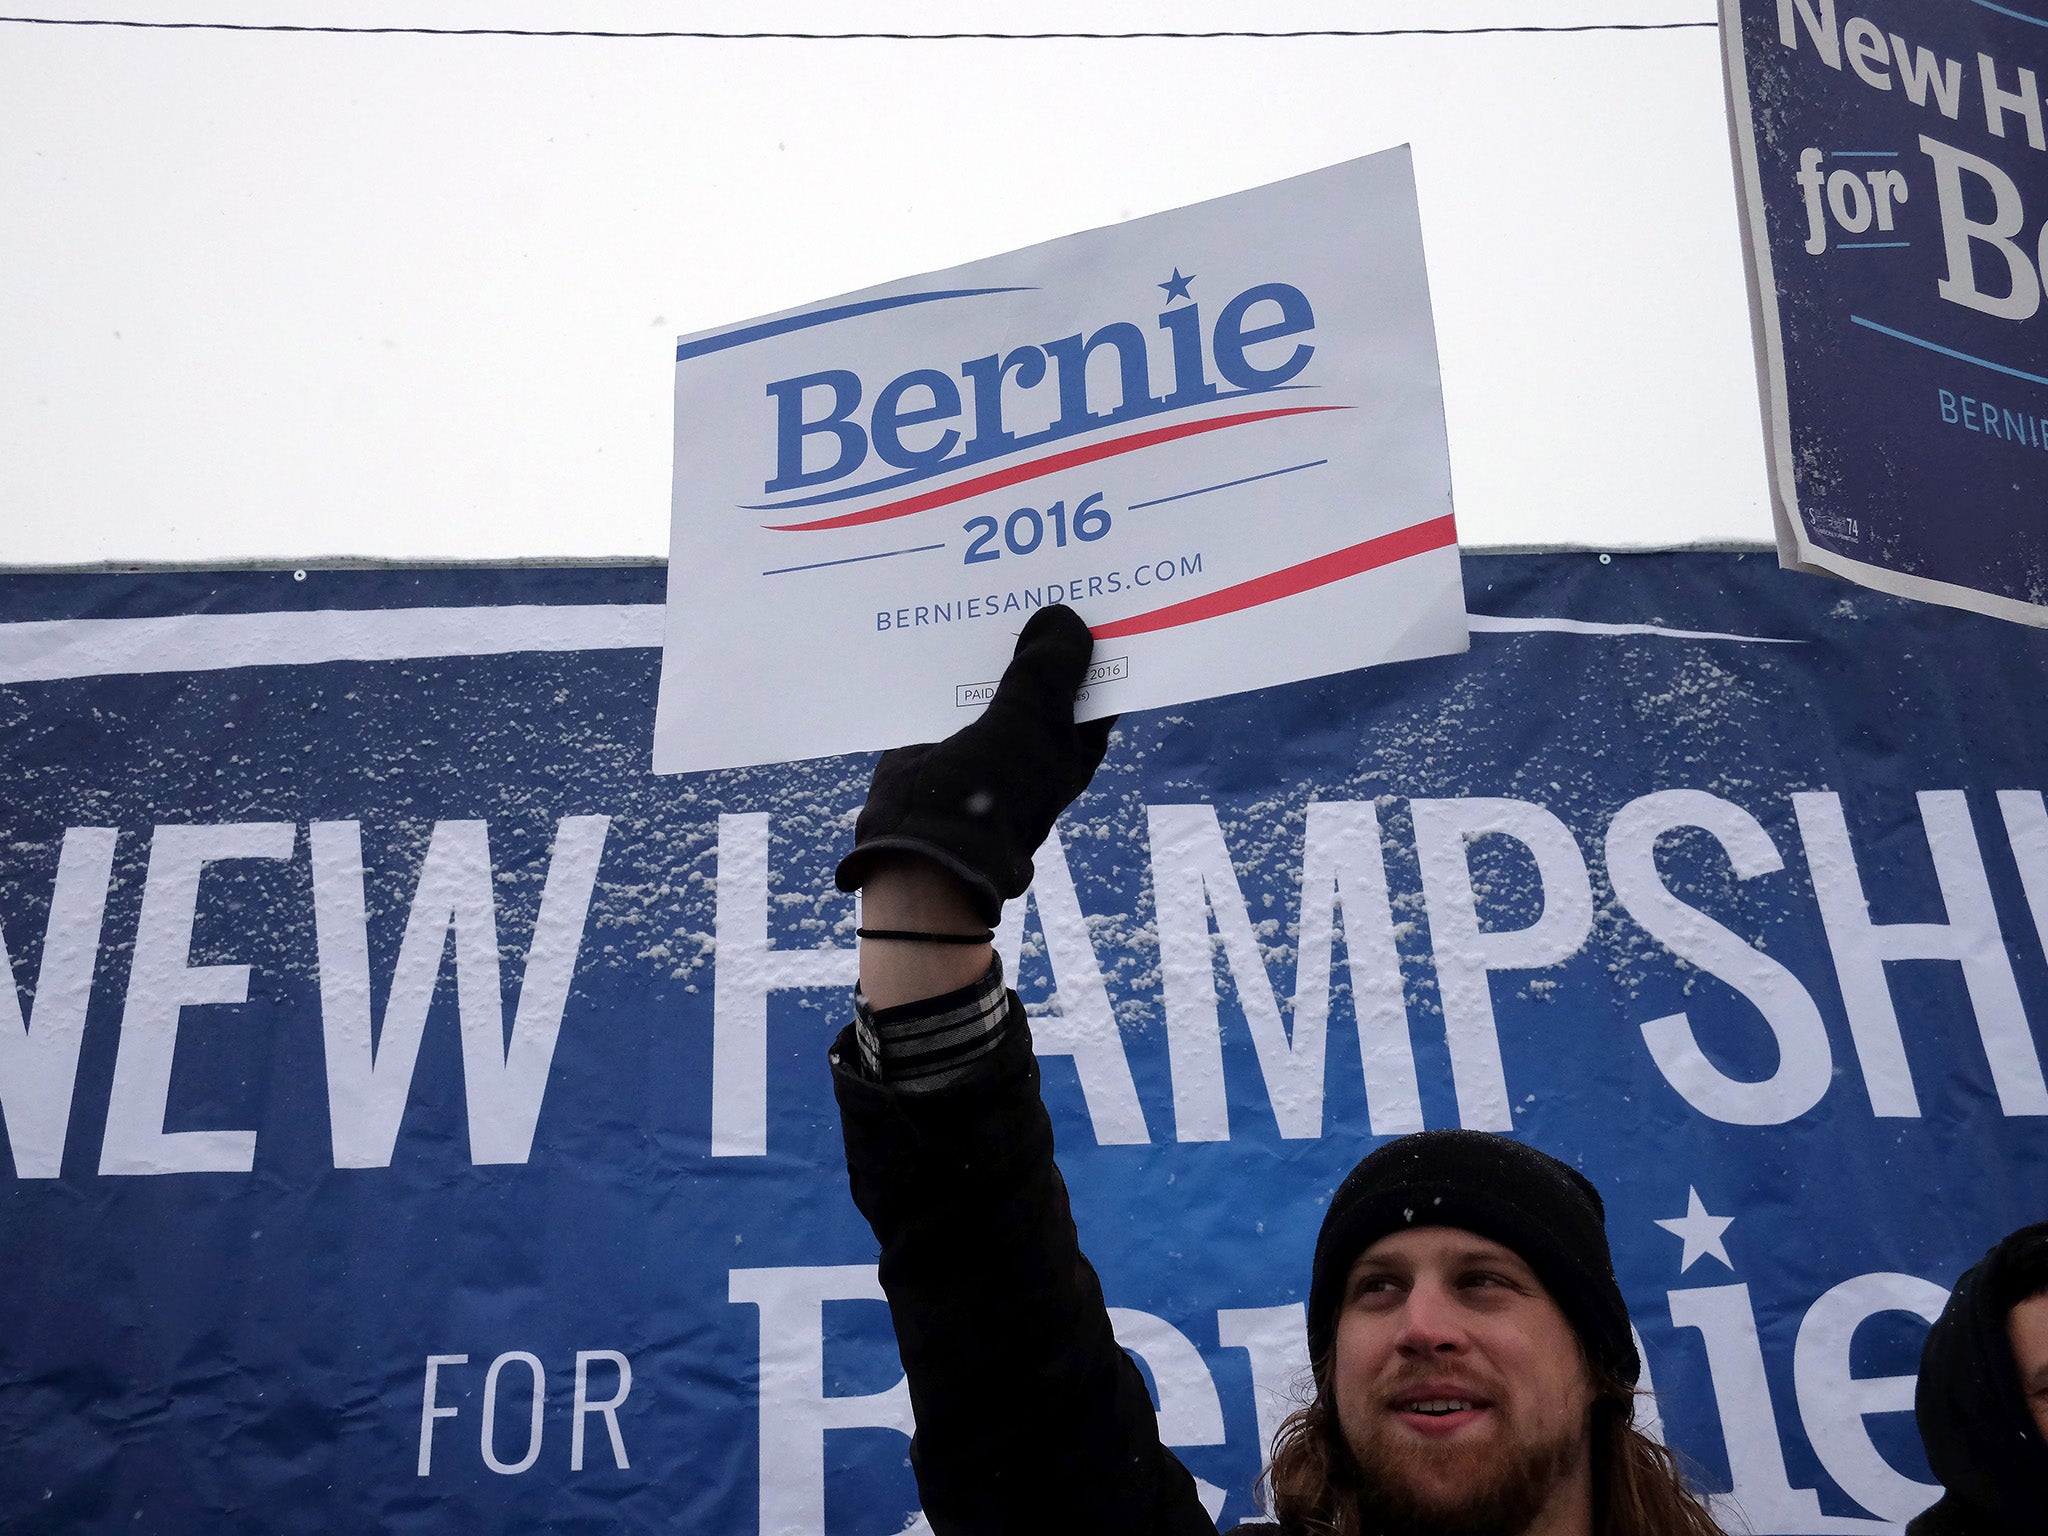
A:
[907,893]
[1030,1418]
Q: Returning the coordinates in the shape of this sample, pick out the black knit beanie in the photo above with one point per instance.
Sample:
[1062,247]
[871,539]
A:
[1523,1199]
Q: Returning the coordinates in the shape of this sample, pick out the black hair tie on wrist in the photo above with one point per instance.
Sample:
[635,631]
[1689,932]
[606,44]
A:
[913,936]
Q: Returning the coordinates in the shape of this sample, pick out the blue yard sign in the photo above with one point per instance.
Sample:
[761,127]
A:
[1892,162]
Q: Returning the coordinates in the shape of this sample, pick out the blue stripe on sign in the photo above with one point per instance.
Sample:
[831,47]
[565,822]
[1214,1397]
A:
[2015,15]
[782,327]
[819,565]
[1961,357]
[1872,245]
[1863,154]
[1160,501]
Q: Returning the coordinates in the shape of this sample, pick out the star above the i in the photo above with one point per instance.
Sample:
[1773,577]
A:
[1176,286]
[1700,1231]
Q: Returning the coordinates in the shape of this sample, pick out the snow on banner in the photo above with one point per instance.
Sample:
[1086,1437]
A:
[1892,165]
[416,1116]
[1217,432]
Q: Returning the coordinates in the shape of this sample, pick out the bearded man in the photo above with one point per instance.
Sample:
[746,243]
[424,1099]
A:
[1474,1366]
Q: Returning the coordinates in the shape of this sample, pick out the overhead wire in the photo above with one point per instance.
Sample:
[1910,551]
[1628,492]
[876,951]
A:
[848,37]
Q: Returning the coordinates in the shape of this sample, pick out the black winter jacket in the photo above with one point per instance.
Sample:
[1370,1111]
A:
[1030,1417]
[1980,1437]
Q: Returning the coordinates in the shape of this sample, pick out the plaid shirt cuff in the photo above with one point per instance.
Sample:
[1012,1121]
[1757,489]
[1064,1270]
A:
[927,1045]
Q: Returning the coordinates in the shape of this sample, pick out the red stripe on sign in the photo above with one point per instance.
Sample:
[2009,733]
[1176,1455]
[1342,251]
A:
[1017,474]
[1437,533]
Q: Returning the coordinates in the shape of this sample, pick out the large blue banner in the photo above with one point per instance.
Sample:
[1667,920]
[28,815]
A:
[416,1111]
[1893,167]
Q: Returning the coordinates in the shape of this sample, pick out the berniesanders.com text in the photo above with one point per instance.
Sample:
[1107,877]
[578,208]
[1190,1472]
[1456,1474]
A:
[954,608]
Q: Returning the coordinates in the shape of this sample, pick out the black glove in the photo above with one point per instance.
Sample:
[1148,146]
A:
[981,801]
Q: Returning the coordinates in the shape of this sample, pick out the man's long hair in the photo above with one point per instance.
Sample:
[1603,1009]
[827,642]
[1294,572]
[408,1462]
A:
[1314,1485]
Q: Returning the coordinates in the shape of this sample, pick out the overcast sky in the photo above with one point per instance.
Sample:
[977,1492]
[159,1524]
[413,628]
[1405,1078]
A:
[272,295]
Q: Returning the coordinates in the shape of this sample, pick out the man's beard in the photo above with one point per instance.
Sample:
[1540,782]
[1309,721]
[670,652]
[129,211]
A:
[1497,1489]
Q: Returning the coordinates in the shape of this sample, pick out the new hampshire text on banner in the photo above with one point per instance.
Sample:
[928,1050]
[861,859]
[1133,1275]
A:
[1217,432]
[417,1117]
[1892,160]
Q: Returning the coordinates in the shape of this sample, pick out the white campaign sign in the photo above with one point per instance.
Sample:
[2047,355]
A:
[1216,432]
